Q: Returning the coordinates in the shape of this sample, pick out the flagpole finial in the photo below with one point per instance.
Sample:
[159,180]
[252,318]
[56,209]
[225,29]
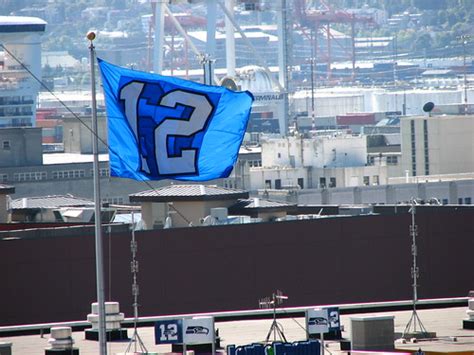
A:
[90,35]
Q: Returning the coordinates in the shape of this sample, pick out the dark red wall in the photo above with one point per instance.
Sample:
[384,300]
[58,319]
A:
[325,261]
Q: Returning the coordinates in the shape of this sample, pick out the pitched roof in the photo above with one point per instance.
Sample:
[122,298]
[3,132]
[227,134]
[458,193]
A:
[188,193]
[56,201]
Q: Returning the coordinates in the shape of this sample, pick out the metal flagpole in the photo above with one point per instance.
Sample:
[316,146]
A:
[97,202]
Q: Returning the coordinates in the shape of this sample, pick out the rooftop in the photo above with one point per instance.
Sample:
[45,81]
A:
[447,323]
[12,24]
[188,193]
[50,202]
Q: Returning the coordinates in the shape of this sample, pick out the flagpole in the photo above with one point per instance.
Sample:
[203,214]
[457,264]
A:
[97,203]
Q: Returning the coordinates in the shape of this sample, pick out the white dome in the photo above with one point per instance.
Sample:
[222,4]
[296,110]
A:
[254,79]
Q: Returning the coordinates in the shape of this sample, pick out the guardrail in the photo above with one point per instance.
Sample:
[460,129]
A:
[350,308]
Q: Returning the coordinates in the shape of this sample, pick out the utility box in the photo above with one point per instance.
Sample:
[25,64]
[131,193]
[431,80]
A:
[219,213]
[5,348]
[373,333]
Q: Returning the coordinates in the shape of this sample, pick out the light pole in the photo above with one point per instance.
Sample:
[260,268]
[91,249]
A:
[313,119]
[464,42]
[97,203]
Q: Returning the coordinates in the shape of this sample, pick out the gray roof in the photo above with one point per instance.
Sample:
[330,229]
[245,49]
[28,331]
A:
[261,204]
[437,72]
[393,139]
[188,193]
[50,202]
[21,24]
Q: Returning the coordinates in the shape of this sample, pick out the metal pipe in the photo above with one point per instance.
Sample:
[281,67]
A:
[159,36]
[313,114]
[229,39]
[257,56]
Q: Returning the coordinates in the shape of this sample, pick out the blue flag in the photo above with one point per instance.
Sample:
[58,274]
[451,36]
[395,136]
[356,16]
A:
[168,128]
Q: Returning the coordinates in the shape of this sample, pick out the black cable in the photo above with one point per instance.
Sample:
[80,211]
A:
[298,323]
[84,124]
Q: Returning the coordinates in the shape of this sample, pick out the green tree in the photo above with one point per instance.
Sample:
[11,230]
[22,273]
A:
[430,4]
[422,42]
[443,39]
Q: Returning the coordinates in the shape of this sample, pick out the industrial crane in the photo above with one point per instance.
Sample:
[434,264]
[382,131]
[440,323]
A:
[320,19]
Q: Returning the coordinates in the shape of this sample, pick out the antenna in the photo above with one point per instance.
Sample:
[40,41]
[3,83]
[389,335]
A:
[276,328]
[415,272]
[428,107]
[135,341]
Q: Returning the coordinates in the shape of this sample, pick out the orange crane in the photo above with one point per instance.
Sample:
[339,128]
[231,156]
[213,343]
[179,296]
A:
[320,19]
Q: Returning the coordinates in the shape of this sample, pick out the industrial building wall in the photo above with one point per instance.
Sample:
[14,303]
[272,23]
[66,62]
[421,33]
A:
[203,269]
[452,192]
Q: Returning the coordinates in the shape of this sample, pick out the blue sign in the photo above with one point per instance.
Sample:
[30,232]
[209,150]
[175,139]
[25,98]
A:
[169,331]
[333,319]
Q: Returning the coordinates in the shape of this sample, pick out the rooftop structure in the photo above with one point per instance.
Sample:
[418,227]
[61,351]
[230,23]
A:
[51,209]
[327,150]
[50,202]
[5,192]
[183,205]
[21,48]
[267,110]
[437,144]
[263,209]
[187,193]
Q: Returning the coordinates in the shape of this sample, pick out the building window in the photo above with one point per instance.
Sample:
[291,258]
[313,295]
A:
[371,160]
[460,201]
[278,184]
[322,182]
[392,160]
[467,200]
[30,176]
[279,155]
[445,201]
[255,163]
[6,145]
[3,177]
[301,183]
[427,156]
[229,183]
[113,200]
[375,180]
[68,174]
[366,181]
[268,184]
[413,148]
[332,182]
[103,172]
